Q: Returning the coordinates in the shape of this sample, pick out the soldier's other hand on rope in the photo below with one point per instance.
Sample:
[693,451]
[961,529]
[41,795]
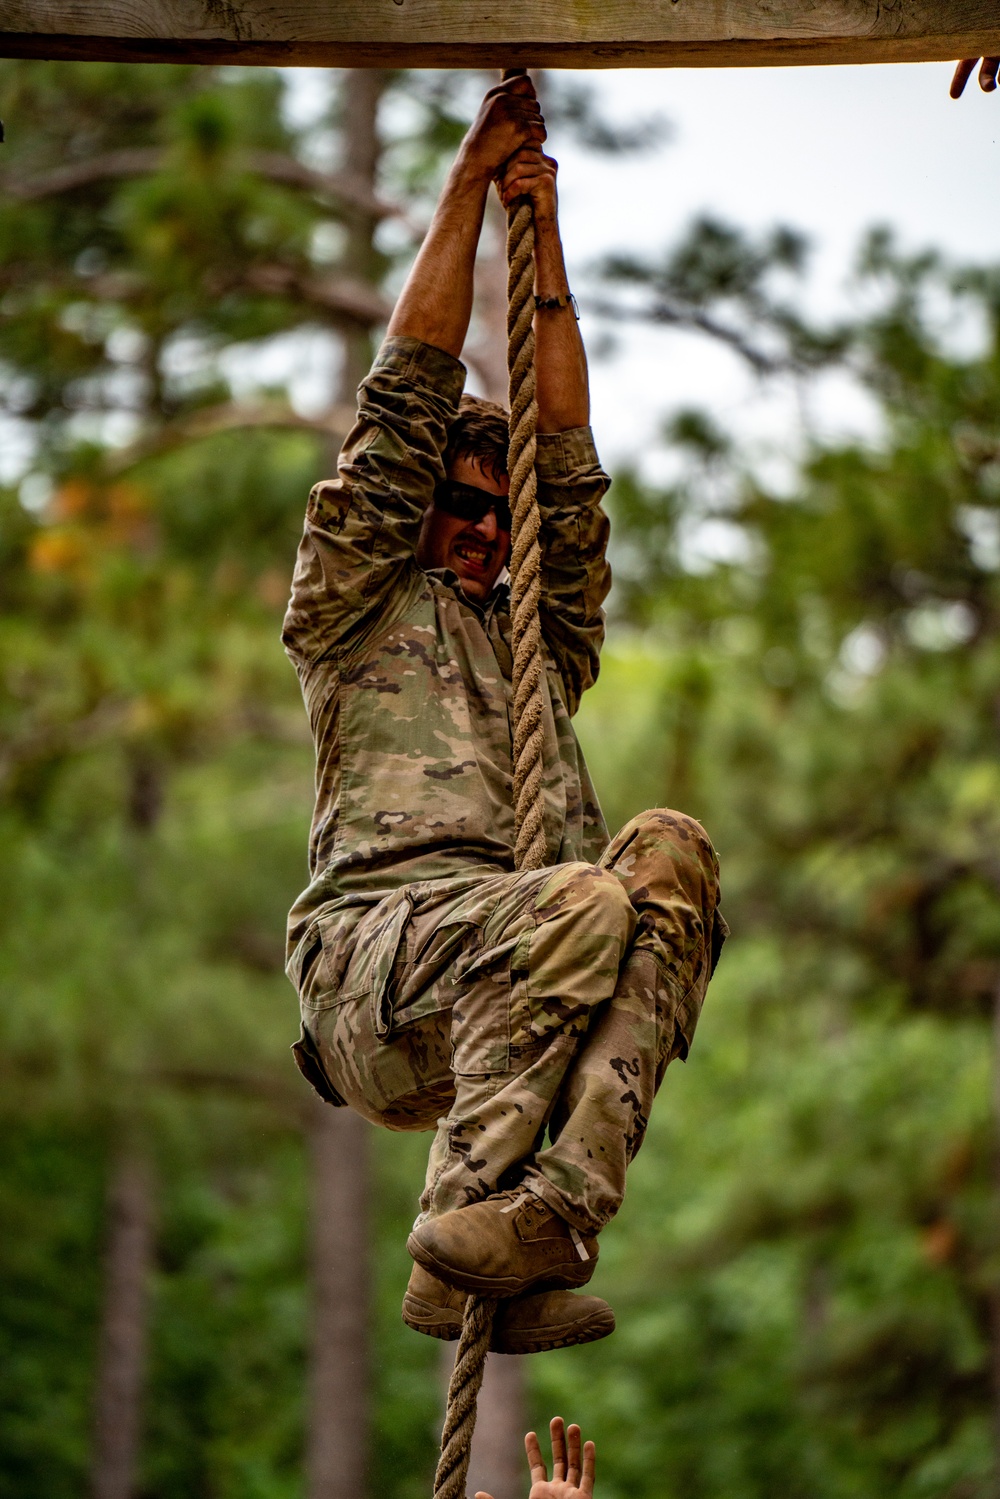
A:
[571,1477]
[529,173]
[988,69]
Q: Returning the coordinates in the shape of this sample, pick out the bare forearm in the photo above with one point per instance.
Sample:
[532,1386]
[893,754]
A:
[436,303]
[560,358]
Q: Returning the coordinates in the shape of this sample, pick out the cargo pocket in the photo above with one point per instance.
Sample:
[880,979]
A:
[309,969]
[480,1017]
[382,965]
[307,1060]
[429,971]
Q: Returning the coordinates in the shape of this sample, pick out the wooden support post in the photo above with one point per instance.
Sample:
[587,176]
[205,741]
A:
[483,34]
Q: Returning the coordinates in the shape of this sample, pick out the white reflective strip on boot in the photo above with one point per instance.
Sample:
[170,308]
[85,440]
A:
[581,1248]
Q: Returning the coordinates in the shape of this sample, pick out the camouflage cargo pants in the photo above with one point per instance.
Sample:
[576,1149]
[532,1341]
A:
[495,1008]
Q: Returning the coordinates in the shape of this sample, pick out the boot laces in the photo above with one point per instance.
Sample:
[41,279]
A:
[530,1198]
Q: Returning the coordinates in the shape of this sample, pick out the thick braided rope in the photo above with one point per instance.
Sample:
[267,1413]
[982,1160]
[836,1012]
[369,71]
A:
[526,553]
[463,1389]
[529,843]
[529,847]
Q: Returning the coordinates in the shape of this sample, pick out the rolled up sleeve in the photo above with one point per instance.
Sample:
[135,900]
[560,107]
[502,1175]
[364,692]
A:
[361,528]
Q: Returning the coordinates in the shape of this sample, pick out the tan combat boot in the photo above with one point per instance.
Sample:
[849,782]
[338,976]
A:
[506,1245]
[527,1324]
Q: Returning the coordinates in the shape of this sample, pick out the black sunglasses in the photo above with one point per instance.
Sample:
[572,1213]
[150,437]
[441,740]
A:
[469,503]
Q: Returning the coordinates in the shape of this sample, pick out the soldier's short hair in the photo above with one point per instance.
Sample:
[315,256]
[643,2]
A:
[479,431]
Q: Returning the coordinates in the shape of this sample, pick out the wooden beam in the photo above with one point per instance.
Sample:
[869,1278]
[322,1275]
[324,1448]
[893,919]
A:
[499,33]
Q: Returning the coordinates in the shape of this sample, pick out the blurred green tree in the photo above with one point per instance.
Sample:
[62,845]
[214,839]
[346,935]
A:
[816,1214]
[164,217]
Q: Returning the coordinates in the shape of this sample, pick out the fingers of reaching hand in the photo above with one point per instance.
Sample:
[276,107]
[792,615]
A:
[573,1456]
[988,68]
[589,1468]
[963,72]
[557,1434]
[535,1460]
[579,1476]
[566,1459]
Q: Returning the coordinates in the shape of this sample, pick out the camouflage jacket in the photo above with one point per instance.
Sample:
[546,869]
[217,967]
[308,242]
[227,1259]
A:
[407,682]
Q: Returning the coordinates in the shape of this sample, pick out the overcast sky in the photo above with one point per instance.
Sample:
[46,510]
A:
[829,150]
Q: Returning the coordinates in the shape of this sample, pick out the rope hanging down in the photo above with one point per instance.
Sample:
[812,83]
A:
[526,553]
[463,1391]
[529,845]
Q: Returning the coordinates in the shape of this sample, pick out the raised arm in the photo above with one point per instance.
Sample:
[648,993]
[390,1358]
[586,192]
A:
[436,303]
[571,482]
[560,358]
[392,458]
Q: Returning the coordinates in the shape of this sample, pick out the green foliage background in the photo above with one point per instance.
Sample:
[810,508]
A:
[805,1270]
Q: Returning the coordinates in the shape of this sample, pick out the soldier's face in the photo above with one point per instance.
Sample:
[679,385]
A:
[476,550]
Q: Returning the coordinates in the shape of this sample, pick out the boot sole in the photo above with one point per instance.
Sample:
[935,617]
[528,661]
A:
[568,1278]
[544,1339]
[425,1319]
[527,1340]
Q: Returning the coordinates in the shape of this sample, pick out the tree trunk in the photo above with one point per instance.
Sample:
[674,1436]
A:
[337,1455]
[362,149]
[337,1439]
[122,1346]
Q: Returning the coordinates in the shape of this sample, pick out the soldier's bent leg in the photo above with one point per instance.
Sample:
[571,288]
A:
[668,868]
[466,999]
[552,950]
[538,957]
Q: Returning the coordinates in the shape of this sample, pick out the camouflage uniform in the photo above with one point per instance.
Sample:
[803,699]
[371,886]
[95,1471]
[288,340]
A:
[438,986]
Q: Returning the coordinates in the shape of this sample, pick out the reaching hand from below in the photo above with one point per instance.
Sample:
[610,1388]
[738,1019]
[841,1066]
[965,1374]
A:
[988,68]
[570,1479]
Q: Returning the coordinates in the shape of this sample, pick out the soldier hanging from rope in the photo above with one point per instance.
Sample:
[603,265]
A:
[526,1017]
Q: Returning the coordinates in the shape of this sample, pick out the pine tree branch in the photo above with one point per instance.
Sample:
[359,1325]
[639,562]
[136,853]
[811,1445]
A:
[342,188]
[228,416]
[342,295]
[345,298]
[673,314]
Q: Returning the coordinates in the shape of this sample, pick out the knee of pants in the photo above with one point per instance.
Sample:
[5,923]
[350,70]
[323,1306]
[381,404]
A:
[587,897]
[584,921]
[662,843]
